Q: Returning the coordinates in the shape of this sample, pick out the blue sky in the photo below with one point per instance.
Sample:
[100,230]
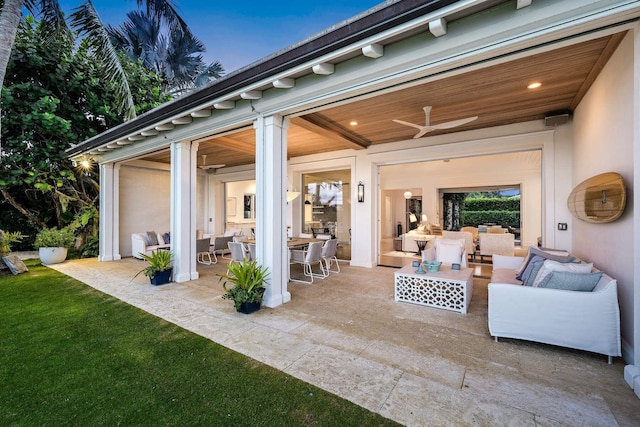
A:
[238,32]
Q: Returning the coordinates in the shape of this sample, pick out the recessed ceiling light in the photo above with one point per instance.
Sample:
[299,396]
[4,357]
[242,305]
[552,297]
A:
[534,85]
[353,123]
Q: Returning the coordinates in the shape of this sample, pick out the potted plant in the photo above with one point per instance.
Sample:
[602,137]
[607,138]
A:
[248,278]
[160,266]
[52,244]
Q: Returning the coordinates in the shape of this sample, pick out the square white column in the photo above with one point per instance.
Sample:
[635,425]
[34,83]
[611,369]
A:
[109,246]
[271,202]
[183,210]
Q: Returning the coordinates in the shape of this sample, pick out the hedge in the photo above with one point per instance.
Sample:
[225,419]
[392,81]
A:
[493,204]
[501,217]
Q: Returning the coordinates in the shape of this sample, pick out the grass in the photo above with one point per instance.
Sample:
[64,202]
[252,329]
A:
[71,355]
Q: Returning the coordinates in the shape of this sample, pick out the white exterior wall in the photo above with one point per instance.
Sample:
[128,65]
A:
[144,202]
[603,142]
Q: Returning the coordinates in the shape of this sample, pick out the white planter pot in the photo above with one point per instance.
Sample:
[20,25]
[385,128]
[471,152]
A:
[52,255]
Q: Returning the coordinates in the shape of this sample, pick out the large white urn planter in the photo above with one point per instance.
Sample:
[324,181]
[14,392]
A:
[50,256]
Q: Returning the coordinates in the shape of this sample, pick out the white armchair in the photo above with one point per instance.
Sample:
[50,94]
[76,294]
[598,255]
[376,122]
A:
[447,251]
[496,244]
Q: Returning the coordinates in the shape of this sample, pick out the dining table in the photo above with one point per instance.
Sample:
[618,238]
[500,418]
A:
[294,242]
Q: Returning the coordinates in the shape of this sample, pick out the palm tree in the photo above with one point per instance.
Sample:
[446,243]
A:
[86,21]
[175,55]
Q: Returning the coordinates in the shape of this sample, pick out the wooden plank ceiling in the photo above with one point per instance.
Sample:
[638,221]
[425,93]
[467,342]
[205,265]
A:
[498,95]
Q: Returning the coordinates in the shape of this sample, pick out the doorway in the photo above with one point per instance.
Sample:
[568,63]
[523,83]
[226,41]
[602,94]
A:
[327,207]
[429,179]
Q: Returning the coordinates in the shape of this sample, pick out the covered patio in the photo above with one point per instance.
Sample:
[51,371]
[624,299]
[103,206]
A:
[416,365]
[329,103]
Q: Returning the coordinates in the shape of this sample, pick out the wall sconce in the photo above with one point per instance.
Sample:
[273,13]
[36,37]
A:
[360,192]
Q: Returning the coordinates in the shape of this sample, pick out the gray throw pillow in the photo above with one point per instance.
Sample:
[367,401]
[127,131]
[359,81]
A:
[167,238]
[568,281]
[535,265]
[533,252]
[152,238]
[527,271]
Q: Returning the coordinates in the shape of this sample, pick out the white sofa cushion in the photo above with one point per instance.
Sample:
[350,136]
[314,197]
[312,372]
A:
[505,275]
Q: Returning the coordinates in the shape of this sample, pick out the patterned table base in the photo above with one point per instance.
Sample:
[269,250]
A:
[434,290]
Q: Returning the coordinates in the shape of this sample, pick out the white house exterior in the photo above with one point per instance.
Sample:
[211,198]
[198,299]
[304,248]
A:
[367,58]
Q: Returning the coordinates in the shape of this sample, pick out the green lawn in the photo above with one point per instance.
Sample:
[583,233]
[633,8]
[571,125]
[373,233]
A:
[70,355]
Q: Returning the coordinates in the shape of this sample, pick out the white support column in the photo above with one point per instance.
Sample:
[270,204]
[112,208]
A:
[632,370]
[109,212]
[183,210]
[271,200]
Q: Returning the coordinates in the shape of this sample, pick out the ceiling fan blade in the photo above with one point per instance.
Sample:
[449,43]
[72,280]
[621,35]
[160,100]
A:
[212,166]
[413,125]
[454,123]
[422,132]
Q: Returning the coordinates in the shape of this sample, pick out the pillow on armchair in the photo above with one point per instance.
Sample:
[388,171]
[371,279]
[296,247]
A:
[449,251]
[151,238]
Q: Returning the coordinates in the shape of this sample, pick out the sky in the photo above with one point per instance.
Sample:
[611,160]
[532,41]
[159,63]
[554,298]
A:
[239,32]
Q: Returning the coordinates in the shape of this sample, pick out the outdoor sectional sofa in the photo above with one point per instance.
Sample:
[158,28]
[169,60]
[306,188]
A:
[143,243]
[583,320]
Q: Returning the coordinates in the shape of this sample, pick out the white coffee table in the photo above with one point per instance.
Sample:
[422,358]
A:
[448,289]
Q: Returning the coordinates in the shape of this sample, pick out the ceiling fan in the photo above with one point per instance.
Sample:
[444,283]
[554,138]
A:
[206,167]
[428,128]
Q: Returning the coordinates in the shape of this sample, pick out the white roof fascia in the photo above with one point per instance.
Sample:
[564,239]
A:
[457,51]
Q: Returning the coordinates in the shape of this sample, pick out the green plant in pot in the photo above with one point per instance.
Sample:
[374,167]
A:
[160,267]
[52,244]
[248,278]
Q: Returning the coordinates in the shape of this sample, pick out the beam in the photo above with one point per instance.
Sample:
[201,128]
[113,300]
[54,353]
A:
[438,27]
[284,83]
[324,69]
[373,51]
[224,105]
[523,3]
[317,123]
[251,94]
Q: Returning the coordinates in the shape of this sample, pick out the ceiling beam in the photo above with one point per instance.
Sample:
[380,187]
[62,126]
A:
[317,123]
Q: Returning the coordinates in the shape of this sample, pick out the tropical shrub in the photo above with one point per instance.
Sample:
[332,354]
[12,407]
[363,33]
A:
[248,278]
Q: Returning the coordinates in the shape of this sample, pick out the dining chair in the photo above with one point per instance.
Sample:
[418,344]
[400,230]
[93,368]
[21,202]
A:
[203,253]
[237,252]
[252,251]
[329,250]
[323,236]
[305,235]
[308,257]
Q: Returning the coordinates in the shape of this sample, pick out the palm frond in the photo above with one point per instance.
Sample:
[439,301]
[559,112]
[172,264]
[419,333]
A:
[51,16]
[86,20]
[166,9]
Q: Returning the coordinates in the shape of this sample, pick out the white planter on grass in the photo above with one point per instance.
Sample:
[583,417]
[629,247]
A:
[50,256]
